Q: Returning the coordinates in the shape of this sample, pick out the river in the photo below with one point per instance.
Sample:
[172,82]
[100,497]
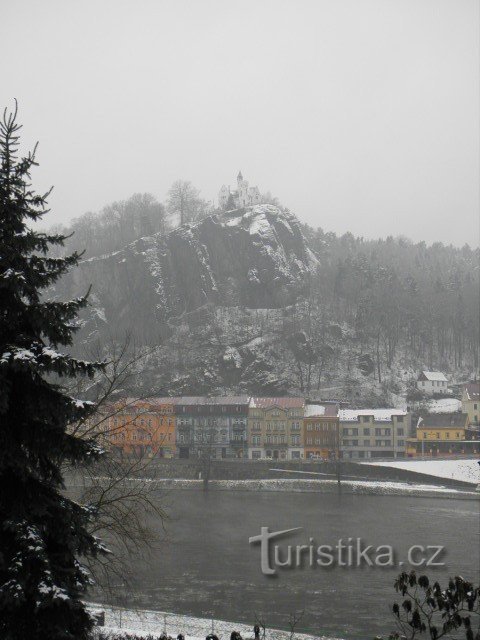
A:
[207,565]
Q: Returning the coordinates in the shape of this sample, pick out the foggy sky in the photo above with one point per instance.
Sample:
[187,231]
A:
[359,115]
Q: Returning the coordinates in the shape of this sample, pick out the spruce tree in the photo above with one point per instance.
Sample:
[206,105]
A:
[43,534]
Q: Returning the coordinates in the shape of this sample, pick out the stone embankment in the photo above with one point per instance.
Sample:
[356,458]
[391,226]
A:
[192,469]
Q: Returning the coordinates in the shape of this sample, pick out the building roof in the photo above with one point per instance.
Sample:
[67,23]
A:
[379,415]
[318,410]
[433,376]
[472,390]
[443,421]
[150,401]
[283,403]
[214,400]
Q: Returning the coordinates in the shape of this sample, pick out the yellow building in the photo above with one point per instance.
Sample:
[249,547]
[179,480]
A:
[443,434]
[275,428]
[471,401]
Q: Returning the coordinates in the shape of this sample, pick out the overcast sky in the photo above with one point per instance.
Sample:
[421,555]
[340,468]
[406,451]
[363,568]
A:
[359,115]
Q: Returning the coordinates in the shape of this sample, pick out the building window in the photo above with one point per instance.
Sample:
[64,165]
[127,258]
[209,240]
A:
[399,418]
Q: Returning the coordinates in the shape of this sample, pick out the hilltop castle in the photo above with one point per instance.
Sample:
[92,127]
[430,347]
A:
[244,195]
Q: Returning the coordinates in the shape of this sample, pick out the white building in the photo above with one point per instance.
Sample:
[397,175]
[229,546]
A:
[243,196]
[431,382]
[373,433]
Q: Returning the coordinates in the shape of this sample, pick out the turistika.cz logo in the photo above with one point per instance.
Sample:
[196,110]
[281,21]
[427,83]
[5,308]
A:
[346,552]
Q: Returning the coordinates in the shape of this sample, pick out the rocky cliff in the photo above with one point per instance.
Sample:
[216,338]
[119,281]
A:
[254,258]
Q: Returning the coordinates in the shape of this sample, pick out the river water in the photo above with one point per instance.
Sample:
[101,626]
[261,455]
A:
[207,566]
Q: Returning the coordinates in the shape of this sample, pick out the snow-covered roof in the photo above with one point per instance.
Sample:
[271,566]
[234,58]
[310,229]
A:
[283,403]
[434,376]
[314,410]
[379,415]
[317,410]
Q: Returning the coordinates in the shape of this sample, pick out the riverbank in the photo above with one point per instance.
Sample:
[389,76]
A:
[296,485]
[464,470]
[249,470]
[143,622]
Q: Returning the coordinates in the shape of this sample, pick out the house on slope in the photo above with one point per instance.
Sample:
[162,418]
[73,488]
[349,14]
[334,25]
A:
[430,382]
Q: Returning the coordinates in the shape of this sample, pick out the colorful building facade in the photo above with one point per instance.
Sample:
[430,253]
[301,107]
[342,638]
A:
[143,427]
[275,428]
[278,428]
[321,431]
[213,425]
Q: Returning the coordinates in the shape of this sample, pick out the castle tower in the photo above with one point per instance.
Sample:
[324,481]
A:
[239,178]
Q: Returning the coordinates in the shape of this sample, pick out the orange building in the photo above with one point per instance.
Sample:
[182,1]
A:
[143,427]
[321,431]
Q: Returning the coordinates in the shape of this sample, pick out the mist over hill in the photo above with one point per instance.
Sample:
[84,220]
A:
[253,301]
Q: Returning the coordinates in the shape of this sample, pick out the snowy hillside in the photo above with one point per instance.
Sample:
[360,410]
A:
[238,303]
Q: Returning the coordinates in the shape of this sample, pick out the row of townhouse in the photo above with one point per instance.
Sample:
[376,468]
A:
[283,428]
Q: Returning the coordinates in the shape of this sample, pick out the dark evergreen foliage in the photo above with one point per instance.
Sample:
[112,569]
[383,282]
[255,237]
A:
[43,534]
[431,611]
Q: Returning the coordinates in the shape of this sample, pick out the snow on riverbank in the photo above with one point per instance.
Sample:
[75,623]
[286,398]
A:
[143,622]
[464,470]
[373,487]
